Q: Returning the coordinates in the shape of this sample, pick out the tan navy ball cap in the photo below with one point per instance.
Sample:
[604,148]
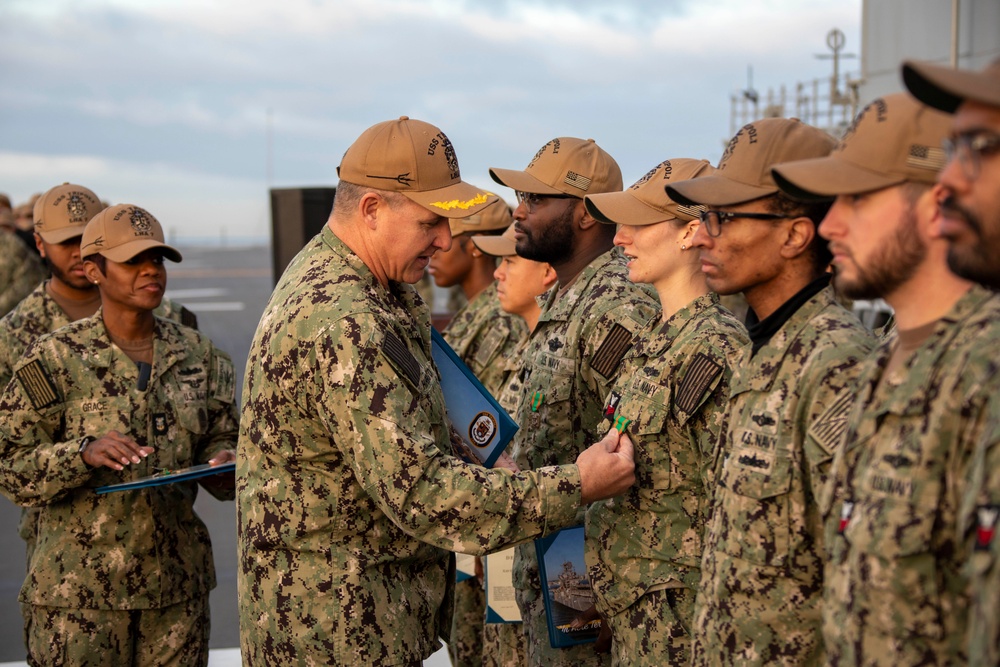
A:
[494,216]
[417,160]
[565,166]
[497,246]
[744,172]
[945,88]
[646,202]
[893,140]
[62,212]
[121,232]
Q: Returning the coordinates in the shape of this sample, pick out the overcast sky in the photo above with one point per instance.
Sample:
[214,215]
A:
[165,103]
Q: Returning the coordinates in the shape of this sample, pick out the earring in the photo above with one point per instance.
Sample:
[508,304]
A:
[684,247]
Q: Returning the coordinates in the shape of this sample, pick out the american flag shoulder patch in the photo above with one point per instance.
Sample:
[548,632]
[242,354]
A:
[829,428]
[611,351]
[701,372]
[37,384]
[402,357]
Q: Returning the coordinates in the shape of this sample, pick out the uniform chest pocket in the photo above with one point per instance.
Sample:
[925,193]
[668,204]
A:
[652,455]
[753,514]
[890,555]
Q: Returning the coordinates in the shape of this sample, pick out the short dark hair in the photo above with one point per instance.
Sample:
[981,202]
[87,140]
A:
[101,261]
[819,249]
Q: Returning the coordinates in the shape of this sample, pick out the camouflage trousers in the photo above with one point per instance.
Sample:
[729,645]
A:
[536,631]
[504,645]
[654,631]
[175,636]
[466,645]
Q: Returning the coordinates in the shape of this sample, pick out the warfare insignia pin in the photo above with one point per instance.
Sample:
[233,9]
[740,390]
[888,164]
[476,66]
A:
[160,423]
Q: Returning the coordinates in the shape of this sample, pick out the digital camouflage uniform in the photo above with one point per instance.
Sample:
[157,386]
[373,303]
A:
[674,389]
[762,568]
[569,365]
[479,333]
[347,505]
[505,644]
[131,550]
[894,591]
[979,516]
[35,316]
[20,271]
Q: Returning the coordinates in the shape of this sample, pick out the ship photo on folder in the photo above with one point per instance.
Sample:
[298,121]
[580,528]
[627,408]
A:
[484,426]
[566,589]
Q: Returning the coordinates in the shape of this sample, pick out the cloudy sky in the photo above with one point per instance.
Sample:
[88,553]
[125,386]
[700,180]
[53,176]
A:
[168,103]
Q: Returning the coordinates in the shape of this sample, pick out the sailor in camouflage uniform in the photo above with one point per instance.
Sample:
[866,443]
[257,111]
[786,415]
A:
[762,568]
[573,356]
[520,282]
[644,549]
[894,593]
[971,224]
[478,332]
[348,503]
[20,271]
[60,215]
[121,578]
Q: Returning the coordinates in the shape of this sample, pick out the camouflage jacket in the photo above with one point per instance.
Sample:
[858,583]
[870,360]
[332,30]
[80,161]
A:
[674,388]
[568,366]
[39,314]
[979,514]
[347,504]
[762,570]
[894,592]
[20,271]
[480,332]
[139,549]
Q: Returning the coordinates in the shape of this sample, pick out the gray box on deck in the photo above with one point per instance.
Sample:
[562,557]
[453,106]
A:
[297,215]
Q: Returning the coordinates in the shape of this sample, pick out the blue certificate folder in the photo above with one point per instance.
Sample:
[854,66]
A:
[181,475]
[485,427]
[566,589]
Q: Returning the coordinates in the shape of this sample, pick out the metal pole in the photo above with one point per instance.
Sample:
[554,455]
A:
[954,32]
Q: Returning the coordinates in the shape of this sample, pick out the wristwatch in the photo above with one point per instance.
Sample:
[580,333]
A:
[84,441]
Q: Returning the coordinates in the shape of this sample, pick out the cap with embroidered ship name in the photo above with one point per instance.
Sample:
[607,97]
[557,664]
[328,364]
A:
[62,212]
[646,202]
[417,160]
[893,140]
[565,166]
[744,171]
[123,231]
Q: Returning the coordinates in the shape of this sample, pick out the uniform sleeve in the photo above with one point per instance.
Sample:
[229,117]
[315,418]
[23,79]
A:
[222,415]
[981,518]
[606,343]
[35,468]
[829,391]
[383,427]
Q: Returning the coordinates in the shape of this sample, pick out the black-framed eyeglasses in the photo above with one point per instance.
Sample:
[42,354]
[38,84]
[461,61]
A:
[969,147]
[531,200]
[712,220]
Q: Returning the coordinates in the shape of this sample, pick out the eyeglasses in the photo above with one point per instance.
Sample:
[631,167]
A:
[532,200]
[969,149]
[712,220]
